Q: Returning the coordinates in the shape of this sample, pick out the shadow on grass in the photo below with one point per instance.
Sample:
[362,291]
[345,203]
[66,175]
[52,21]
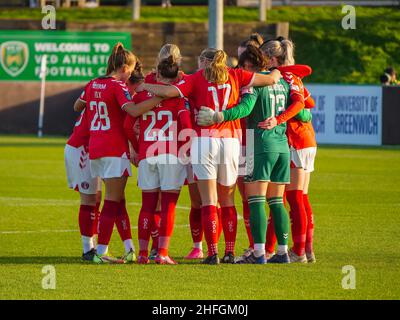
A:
[40,260]
[71,260]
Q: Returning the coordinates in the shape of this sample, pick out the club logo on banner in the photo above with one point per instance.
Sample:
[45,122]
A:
[70,56]
[14,57]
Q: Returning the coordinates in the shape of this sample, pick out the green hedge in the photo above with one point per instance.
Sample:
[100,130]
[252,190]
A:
[336,55]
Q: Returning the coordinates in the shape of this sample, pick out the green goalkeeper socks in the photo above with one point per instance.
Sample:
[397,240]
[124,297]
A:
[258,218]
[281,219]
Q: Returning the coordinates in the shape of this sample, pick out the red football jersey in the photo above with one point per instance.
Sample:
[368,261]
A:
[80,134]
[105,98]
[160,127]
[201,92]
[300,134]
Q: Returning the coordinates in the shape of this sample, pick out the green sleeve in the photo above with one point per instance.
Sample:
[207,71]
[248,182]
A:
[304,115]
[243,109]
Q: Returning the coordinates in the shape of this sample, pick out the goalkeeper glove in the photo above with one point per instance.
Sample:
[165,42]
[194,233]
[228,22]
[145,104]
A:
[208,117]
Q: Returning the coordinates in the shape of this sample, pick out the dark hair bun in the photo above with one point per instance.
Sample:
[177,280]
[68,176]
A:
[168,68]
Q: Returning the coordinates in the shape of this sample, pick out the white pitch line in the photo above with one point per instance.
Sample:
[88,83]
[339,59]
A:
[66,230]
[59,202]
[19,202]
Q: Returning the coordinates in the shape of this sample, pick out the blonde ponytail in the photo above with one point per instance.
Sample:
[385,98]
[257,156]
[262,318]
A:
[281,49]
[169,50]
[217,71]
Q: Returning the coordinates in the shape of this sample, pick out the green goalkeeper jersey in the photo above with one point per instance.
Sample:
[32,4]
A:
[258,105]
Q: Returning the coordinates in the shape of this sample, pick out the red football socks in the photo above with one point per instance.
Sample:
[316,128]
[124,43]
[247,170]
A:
[155,225]
[219,214]
[310,224]
[87,220]
[209,218]
[149,204]
[107,219]
[298,217]
[195,225]
[229,225]
[271,236]
[123,223]
[246,218]
[168,205]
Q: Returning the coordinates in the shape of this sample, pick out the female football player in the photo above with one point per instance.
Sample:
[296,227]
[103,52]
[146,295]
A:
[267,157]
[302,144]
[159,166]
[79,179]
[215,150]
[247,63]
[106,99]
[255,40]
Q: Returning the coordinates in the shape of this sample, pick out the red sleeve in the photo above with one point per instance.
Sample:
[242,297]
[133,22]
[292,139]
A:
[121,93]
[246,78]
[308,99]
[300,70]
[184,116]
[129,131]
[296,97]
[186,85]
[294,108]
[150,78]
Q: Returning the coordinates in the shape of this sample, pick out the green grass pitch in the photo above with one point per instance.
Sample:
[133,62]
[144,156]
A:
[355,194]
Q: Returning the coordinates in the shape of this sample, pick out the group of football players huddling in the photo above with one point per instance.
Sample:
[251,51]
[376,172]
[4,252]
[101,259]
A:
[248,125]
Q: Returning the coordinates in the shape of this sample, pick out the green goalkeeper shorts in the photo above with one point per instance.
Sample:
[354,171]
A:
[269,166]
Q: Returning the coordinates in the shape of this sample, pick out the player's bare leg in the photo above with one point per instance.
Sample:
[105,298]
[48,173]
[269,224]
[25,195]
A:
[226,198]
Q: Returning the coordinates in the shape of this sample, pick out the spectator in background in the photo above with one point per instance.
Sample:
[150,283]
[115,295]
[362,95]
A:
[385,79]
[391,73]
[166,3]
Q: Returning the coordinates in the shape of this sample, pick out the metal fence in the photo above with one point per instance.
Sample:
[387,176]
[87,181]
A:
[250,3]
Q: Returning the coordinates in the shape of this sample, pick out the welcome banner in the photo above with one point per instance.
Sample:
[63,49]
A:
[71,56]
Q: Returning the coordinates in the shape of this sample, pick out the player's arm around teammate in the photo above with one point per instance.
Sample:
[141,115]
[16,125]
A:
[108,148]
[302,145]
[218,87]
[267,160]
[159,167]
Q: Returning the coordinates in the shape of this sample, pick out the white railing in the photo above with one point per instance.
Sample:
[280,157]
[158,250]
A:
[254,3]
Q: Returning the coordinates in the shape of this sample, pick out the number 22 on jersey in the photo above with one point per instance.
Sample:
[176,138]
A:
[100,121]
[151,134]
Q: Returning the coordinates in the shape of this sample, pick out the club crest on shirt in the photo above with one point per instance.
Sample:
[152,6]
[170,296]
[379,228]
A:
[85,185]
